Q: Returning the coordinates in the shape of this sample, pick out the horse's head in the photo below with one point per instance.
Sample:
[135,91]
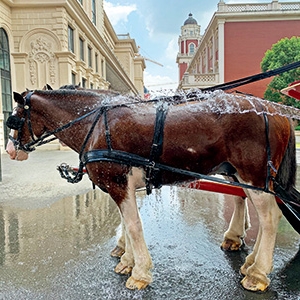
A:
[21,133]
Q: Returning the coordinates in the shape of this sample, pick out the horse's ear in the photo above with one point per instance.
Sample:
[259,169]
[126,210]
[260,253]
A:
[18,98]
[78,85]
[48,87]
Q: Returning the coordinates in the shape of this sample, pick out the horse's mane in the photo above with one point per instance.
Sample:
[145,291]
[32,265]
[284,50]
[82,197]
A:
[66,92]
[71,87]
[217,101]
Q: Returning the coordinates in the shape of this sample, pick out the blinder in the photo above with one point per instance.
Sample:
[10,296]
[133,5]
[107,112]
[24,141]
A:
[15,123]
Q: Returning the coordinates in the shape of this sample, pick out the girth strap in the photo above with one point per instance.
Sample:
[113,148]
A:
[153,173]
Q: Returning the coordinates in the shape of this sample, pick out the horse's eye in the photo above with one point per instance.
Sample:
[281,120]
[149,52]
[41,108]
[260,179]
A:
[14,122]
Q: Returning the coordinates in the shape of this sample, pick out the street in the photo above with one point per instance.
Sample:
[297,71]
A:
[56,238]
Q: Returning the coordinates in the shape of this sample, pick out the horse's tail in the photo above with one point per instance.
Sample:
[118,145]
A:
[286,175]
[284,185]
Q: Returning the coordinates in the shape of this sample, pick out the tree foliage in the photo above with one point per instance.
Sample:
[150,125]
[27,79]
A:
[284,52]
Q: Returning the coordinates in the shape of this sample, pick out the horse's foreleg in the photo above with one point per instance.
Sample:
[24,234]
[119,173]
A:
[136,256]
[250,259]
[260,262]
[135,247]
[239,223]
[119,250]
[127,260]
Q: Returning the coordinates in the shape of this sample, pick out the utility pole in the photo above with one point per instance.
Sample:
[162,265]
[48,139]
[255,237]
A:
[0,166]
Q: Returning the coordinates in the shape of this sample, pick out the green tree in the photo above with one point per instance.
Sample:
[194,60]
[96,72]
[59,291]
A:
[284,52]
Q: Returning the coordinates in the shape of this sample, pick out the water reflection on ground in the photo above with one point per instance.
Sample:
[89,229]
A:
[62,251]
[37,244]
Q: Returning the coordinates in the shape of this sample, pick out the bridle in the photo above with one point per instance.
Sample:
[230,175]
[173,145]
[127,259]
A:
[16,123]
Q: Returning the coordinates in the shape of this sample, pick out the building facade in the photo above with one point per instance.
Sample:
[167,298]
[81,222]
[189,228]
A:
[235,42]
[62,42]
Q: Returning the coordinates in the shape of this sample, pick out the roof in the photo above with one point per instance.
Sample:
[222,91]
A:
[190,20]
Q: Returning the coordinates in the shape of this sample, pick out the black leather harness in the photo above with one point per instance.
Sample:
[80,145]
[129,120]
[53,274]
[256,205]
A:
[153,178]
[152,165]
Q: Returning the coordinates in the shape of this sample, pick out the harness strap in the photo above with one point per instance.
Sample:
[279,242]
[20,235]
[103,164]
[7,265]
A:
[269,157]
[27,110]
[152,173]
[80,173]
[249,79]
[134,160]
[107,131]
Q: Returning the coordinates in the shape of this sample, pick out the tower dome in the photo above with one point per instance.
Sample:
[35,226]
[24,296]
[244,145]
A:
[190,20]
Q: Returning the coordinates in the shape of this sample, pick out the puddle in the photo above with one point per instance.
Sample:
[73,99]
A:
[36,244]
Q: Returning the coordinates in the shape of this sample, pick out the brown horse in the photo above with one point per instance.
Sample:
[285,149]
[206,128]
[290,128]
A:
[126,144]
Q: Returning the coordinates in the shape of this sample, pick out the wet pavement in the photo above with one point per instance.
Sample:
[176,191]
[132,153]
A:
[55,240]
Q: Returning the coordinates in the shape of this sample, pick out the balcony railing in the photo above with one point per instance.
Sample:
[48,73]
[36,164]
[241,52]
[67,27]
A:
[199,80]
[258,7]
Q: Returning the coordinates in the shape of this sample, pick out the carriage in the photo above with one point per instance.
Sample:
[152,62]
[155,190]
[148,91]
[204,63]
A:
[125,143]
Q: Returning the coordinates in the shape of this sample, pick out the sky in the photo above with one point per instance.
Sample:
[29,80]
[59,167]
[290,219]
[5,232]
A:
[156,25]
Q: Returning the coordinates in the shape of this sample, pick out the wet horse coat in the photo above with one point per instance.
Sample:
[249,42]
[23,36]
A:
[201,136]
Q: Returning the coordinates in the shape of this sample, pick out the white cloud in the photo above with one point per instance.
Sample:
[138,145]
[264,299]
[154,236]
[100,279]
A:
[158,83]
[118,13]
[172,49]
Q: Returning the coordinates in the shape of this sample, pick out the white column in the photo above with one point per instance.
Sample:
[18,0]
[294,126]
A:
[221,50]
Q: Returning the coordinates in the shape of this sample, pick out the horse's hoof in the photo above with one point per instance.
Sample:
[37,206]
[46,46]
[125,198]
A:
[122,269]
[117,252]
[230,245]
[134,284]
[255,284]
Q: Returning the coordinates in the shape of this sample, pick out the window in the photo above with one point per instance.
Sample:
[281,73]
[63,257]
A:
[83,82]
[80,1]
[92,86]
[81,49]
[71,39]
[102,67]
[90,57]
[191,48]
[5,76]
[96,63]
[73,78]
[94,11]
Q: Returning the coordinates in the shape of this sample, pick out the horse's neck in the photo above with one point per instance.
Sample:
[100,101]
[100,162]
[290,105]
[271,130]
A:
[56,116]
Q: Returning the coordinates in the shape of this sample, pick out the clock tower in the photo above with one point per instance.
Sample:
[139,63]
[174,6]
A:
[188,42]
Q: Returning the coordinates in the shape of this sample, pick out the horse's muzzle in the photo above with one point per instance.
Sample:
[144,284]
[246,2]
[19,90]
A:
[15,154]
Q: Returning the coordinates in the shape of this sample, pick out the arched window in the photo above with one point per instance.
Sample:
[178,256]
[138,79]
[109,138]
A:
[5,78]
[191,48]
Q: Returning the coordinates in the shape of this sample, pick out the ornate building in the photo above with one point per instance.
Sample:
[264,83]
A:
[235,42]
[61,42]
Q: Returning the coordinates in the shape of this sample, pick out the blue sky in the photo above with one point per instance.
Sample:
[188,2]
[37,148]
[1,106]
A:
[156,25]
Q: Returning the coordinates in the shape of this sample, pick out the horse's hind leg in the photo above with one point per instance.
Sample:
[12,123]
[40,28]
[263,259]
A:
[240,222]
[260,262]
